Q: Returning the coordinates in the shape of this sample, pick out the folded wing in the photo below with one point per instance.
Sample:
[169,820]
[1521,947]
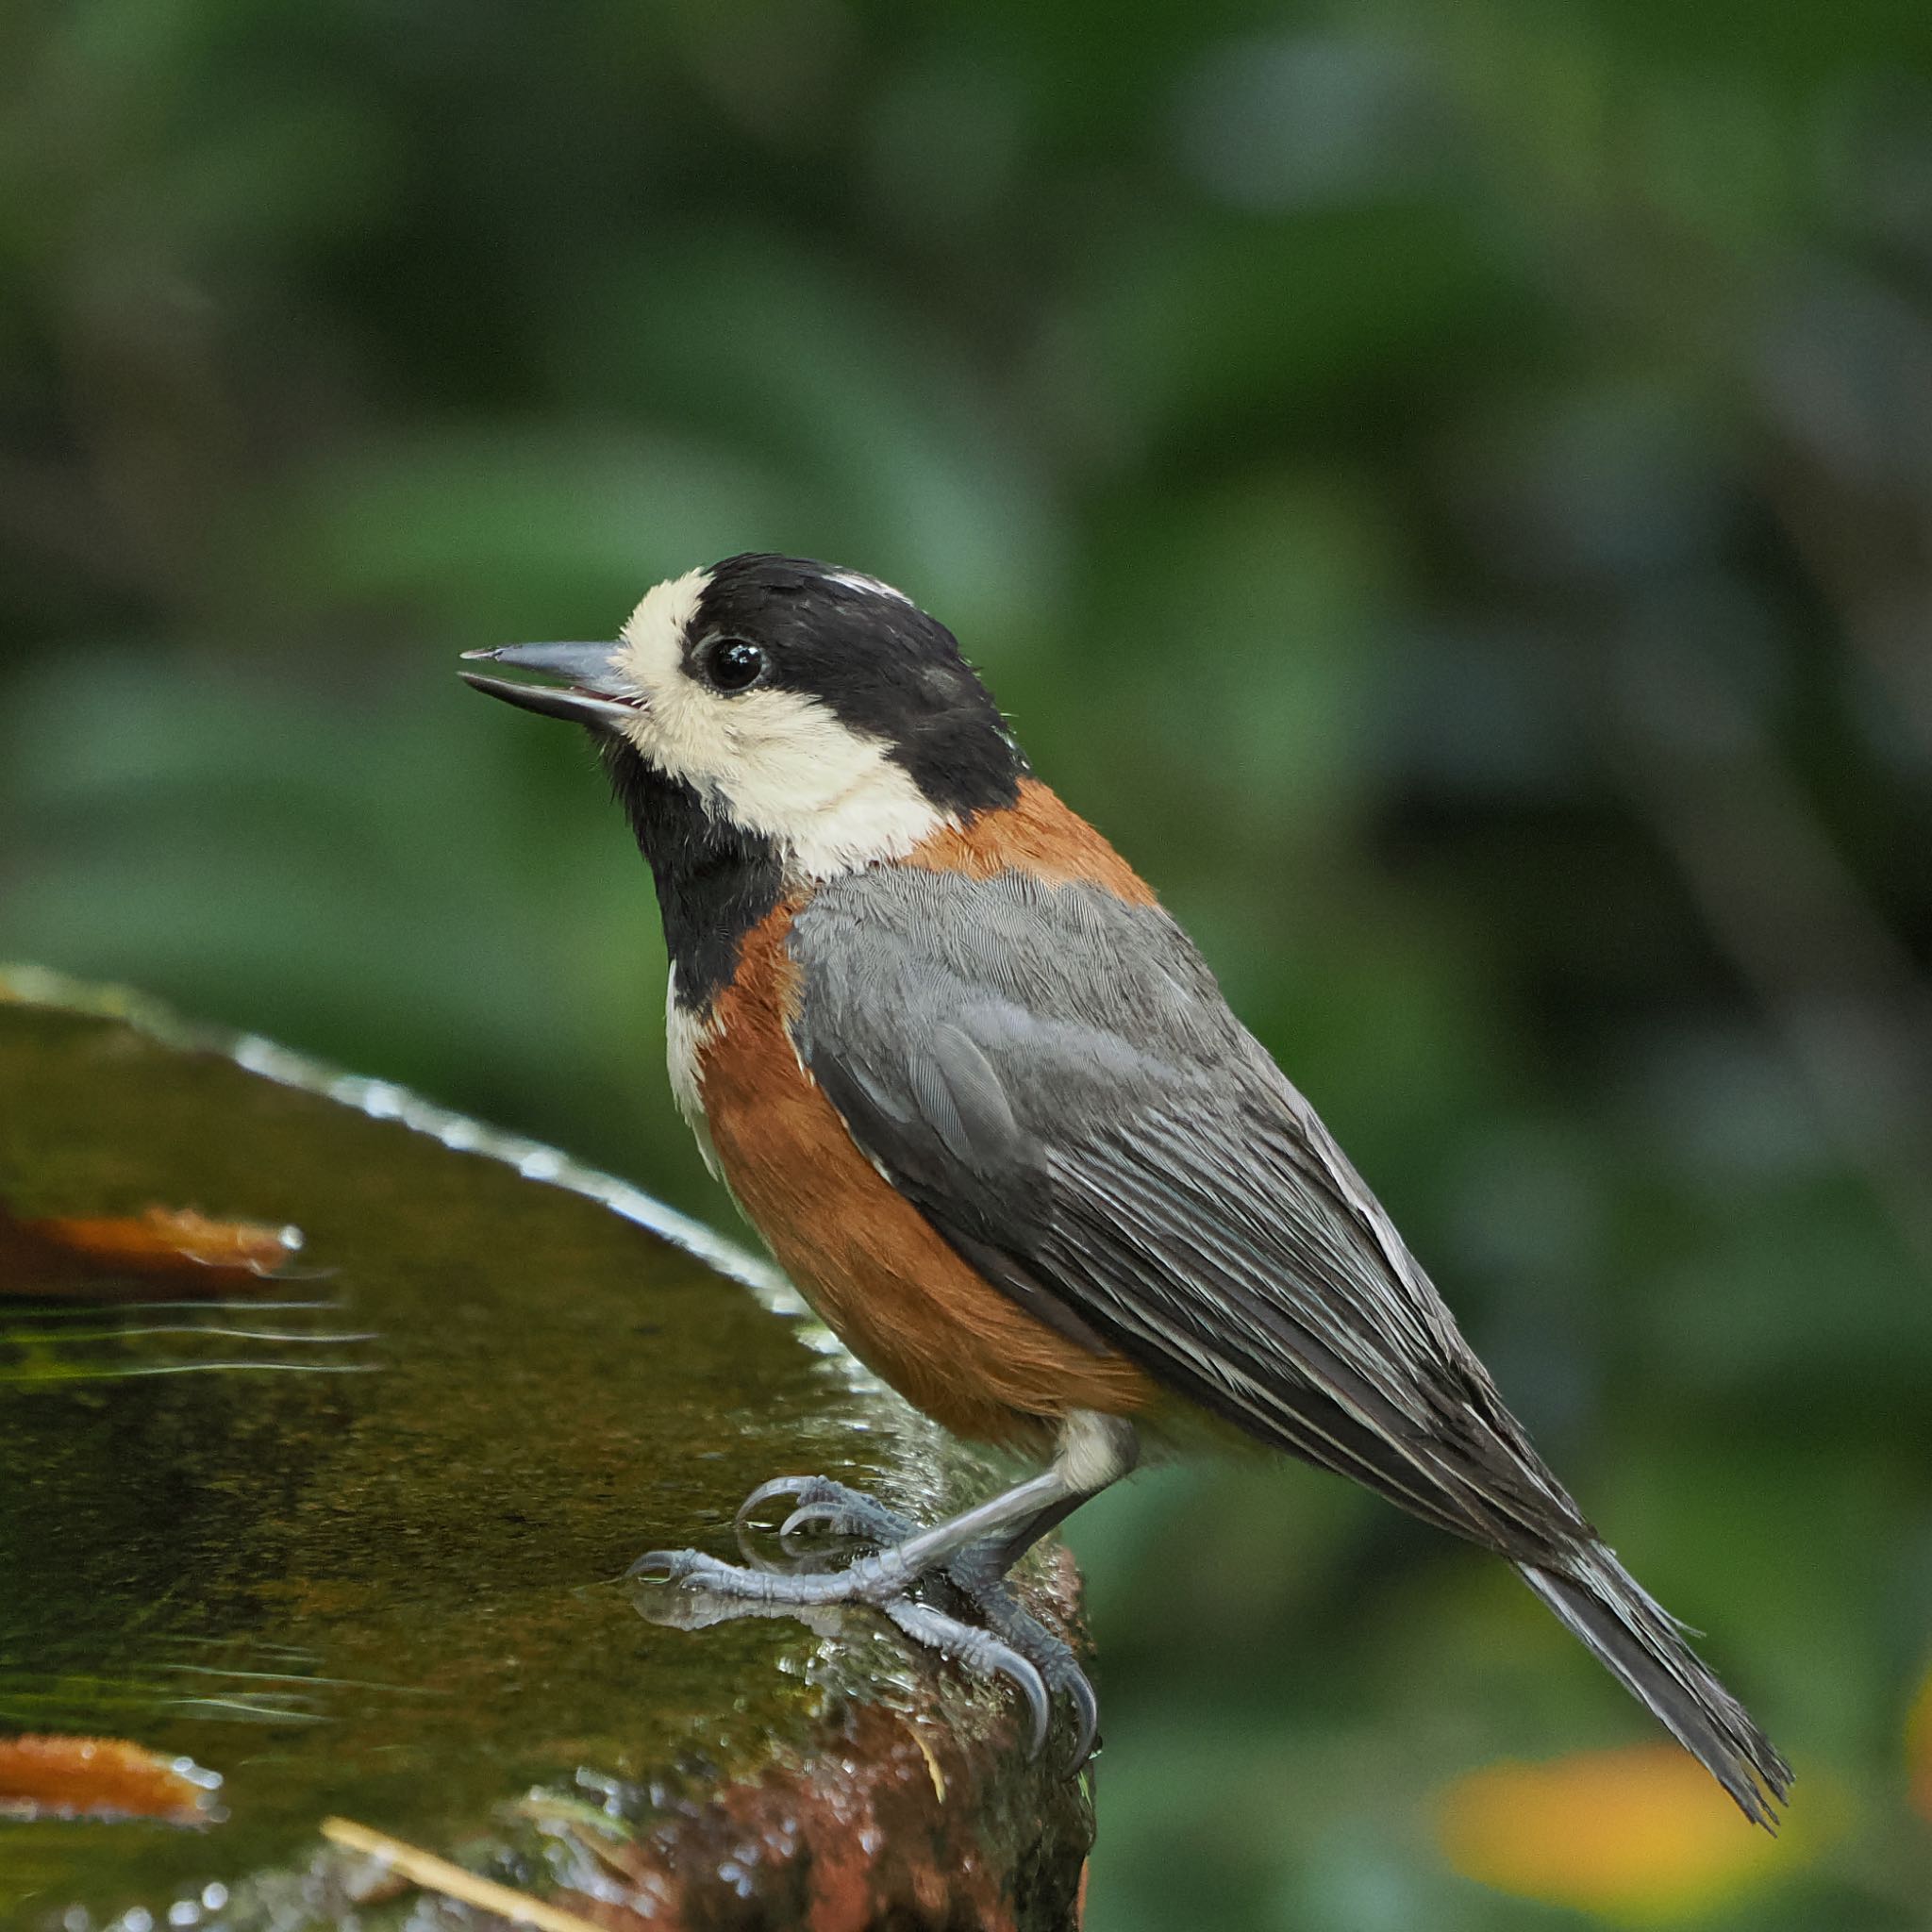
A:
[1053,1077]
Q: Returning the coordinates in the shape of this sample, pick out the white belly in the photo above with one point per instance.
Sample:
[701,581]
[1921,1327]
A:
[685,1035]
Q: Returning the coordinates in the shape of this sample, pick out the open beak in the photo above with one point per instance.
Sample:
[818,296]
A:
[593,692]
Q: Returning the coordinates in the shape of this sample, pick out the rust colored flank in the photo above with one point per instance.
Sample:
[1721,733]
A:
[904,1302]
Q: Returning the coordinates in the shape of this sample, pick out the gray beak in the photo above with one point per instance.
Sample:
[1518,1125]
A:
[595,693]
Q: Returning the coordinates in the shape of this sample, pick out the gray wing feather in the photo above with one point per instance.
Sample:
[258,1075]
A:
[1053,1076]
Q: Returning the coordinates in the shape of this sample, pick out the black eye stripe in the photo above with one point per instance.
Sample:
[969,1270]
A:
[731,664]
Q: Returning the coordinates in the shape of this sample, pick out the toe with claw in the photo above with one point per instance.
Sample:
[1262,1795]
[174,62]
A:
[1006,1641]
[820,1503]
[980,1654]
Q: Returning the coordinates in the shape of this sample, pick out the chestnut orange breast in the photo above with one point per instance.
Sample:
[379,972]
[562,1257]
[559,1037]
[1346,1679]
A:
[904,1302]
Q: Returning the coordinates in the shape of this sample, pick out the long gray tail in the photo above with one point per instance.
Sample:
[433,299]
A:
[1643,1647]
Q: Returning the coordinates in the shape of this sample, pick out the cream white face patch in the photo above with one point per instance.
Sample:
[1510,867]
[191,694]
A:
[777,762]
[651,645]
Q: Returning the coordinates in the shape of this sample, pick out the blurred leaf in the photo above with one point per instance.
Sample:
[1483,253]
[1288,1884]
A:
[100,1777]
[1208,330]
[505,530]
[895,454]
[127,1255]
[1919,1748]
[1641,1836]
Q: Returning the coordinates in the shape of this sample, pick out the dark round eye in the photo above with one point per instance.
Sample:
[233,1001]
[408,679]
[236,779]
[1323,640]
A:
[733,665]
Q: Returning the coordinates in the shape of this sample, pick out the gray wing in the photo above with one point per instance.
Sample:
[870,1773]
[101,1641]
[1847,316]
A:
[1053,1076]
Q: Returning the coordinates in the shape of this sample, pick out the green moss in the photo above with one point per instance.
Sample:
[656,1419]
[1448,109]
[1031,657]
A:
[355,1546]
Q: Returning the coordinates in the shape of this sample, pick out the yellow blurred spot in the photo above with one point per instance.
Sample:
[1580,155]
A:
[1642,1834]
[1919,1748]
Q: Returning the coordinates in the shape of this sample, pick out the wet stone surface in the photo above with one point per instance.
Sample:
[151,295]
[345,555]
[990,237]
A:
[352,1541]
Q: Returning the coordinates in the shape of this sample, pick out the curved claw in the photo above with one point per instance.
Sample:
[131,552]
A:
[790,1487]
[662,1566]
[976,1573]
[979,1651]
[1042,1707]
[827,1505]
[1086,1715]
[833,1516]
[793,1486]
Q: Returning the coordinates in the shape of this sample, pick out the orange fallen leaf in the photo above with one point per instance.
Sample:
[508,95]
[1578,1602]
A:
[110,1257]
[100,1777]
[1642,1834]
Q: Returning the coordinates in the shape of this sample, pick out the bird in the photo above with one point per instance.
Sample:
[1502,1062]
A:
[986,1105]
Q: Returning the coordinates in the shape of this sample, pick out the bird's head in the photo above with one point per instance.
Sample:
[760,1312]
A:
[816,711]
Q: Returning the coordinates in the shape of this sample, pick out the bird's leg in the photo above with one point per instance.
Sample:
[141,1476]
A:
[819,1502]
[978,1573]
[974,1550]
[875,1578]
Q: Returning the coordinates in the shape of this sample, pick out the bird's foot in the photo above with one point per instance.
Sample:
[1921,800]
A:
[819,1502]
[975,1573]
[1007,1641]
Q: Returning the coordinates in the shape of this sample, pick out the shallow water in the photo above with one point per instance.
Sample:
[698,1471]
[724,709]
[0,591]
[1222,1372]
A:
[352,1544]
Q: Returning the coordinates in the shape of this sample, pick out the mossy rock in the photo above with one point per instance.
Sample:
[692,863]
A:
[352,1537]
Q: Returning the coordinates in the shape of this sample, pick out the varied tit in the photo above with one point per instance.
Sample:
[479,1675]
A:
[986,1104]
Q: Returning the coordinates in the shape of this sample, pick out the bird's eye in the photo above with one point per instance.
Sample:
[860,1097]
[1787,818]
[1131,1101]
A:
[731,665]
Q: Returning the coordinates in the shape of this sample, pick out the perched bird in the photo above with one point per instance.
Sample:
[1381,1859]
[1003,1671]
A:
[989,1108]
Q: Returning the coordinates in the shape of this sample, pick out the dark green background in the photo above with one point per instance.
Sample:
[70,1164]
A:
[1447,485]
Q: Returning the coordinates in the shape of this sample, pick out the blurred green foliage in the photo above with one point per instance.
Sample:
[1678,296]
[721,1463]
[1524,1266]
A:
[1447,484]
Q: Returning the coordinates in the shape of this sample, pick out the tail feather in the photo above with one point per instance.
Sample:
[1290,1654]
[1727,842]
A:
[1644,1648]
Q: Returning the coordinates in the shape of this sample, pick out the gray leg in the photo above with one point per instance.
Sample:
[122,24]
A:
[978,1573]
[974,1549]
[1094,1451]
